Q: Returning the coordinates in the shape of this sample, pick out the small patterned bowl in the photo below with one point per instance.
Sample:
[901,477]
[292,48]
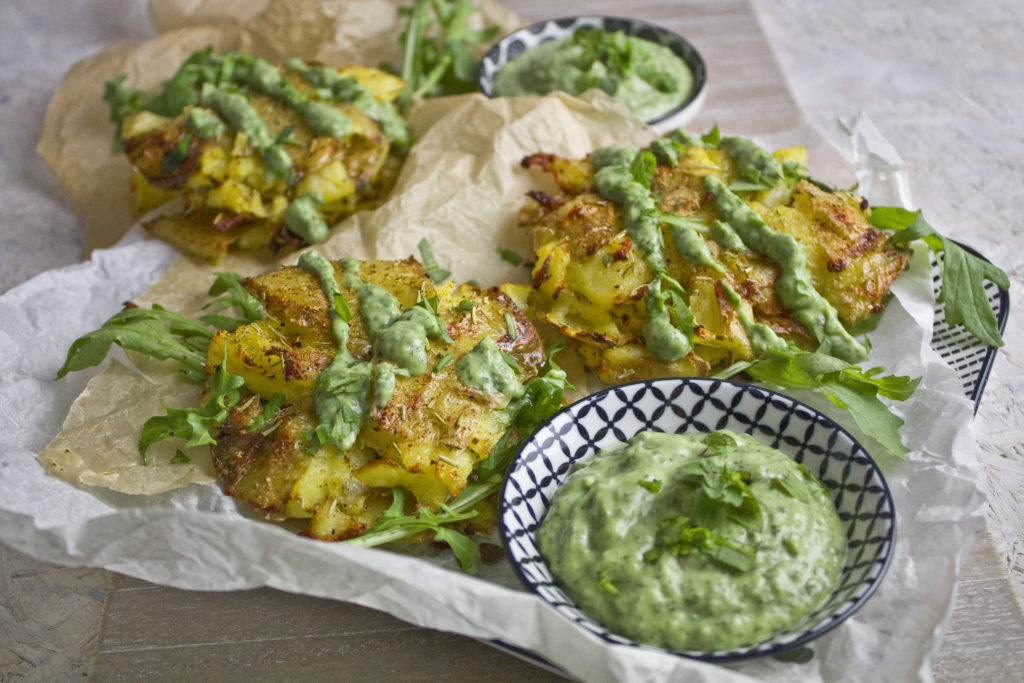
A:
[613,416]
[518,42]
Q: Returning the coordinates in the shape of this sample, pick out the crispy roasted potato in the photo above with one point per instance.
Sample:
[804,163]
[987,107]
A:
[590,280]
[231,199]
[427,438]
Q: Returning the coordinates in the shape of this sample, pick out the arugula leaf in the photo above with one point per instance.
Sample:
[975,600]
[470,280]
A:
[194,424]
[963,274]
[395,524]
[652,485]
[434,270]
[437,49]
[229,284]
[155,332]
[713,137]
[846,386]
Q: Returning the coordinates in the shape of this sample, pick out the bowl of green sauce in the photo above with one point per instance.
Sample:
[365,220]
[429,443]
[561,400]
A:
[657,74]
[711,519]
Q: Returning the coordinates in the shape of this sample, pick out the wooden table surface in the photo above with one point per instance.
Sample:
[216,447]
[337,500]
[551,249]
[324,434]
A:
[62,623]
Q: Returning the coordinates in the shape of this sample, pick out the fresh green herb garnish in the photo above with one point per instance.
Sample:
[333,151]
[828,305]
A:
[437,49]
[430,303]
[272,407]
[846,386]
[510,256]
[180,458]
[723,494]
[963,274]
[435,271]
[652,485]
[194,424]
[444,360]
[155,332]
[511,361]
[677,536]
[606,258]
[510,326]
[229,284]
[465,305]
[605,582]
[395,524]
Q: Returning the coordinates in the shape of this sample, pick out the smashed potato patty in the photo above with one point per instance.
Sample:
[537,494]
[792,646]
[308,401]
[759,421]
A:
[590,279]
[427,438]
[231,197]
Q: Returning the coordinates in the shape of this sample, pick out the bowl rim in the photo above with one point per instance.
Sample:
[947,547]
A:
[693,58]
[889,543]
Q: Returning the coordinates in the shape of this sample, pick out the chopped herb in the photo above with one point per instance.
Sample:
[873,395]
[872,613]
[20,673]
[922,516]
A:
[465,305]
[606,258]
[677,536]
[271,409]
[435,271]
[652,485]
[510,256]
[605,582]
[510,326]
[180,458]
[445,360]
[511,362]
[342,308]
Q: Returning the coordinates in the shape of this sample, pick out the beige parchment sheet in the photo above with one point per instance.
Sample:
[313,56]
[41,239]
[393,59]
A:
[77,132]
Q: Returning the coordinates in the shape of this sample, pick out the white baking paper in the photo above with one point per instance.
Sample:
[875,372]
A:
[196,538]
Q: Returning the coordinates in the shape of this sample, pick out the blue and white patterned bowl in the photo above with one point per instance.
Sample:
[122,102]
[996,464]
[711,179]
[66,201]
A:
[518,42]
[613,416]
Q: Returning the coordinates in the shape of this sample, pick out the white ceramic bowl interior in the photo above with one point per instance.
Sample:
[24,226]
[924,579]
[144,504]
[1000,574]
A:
[678,405]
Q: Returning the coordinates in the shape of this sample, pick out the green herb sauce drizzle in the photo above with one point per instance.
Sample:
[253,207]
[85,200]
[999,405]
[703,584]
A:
[333,86]
[793,285]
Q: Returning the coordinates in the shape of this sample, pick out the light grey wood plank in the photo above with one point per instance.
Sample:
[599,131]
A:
[984,640]
[162,633]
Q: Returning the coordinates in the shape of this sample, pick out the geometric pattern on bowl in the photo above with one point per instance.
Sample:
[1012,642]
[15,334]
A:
[518,42]
[678,405]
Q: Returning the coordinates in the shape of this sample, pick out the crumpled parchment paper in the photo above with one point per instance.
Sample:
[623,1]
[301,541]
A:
[461,188]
